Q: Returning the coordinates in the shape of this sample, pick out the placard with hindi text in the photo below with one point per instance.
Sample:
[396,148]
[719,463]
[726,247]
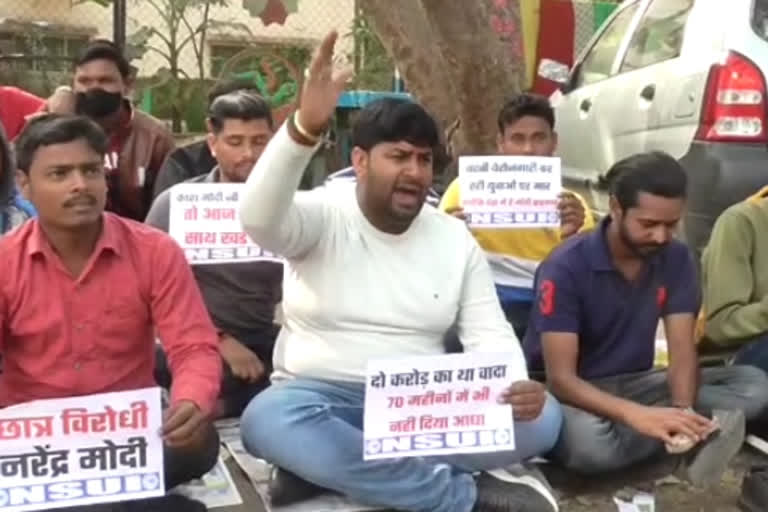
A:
[81,451]
[438,405]
[205,222]
[510,191]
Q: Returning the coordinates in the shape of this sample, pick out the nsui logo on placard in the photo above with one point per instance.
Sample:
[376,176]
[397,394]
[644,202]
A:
[507,218]
[78,490]
[438,441]
[227,253]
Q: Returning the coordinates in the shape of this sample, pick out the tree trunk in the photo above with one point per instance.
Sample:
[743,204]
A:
[460,58]
[404,31]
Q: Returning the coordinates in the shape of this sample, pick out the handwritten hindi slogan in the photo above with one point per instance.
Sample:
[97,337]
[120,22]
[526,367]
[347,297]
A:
[204,220]
[437,405]
[510,191]
[81,451]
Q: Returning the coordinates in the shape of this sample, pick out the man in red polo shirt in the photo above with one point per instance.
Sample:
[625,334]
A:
[82,293]
[15,105]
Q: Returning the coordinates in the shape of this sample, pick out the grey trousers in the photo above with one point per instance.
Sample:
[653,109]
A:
[589,444]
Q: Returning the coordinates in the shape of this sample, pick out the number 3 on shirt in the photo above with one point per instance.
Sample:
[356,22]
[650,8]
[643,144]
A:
[547,297]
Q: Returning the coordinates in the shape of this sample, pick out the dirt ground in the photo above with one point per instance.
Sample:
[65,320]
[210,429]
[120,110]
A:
[671,494]
[669,498]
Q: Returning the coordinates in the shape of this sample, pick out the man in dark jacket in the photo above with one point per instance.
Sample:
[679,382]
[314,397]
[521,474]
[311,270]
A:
[241,297]
[138,143]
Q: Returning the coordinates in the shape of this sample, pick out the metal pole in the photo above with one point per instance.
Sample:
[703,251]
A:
[119,18]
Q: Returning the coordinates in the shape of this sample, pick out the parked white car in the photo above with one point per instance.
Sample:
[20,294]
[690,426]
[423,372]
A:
[683,76]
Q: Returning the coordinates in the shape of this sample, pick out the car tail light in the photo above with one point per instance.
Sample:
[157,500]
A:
[734,107]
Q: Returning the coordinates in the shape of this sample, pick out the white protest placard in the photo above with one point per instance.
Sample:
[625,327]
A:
[205,222]
[81,451]
[510,191]
[437,405]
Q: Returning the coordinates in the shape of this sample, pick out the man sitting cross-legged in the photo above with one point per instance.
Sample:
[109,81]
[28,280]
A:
[526,127]
[735,283]
[241,297]
[600,298]
[82,293]
[364,283]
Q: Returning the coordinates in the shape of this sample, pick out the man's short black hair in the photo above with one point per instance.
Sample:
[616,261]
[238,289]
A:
[655,173]
[522,105]
[105,49]
[227,86]
[242,105]
[51,129]
[393,120]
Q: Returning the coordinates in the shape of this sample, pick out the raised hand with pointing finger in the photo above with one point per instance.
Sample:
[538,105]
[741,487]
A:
[320,93]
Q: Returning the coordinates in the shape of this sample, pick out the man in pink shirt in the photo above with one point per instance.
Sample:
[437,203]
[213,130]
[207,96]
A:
[83,291]
[15,106]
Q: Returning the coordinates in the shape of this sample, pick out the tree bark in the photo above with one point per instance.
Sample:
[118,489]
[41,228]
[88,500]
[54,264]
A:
[460,58]
[480,64]
[404,31]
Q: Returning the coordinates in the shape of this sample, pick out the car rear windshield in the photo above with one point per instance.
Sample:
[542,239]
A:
[760,18]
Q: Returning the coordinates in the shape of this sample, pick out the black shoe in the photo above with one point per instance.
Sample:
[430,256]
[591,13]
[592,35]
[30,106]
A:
[286,488]
[754,490]
[514,489]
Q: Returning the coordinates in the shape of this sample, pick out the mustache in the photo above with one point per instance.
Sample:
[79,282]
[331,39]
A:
[409,186]
[83,199]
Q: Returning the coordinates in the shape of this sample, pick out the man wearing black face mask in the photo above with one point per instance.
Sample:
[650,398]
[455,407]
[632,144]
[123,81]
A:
[138,143]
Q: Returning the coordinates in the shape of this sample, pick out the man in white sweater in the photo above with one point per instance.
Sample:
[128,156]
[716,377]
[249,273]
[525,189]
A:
[374,273]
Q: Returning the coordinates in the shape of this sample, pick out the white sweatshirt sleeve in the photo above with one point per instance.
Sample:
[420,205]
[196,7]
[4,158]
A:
[272,212]
[482,326]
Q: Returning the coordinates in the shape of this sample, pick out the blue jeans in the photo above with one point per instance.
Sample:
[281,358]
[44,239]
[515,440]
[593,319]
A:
[590,444]
[516,304]
[517,314]
[754,353]
[314,430]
